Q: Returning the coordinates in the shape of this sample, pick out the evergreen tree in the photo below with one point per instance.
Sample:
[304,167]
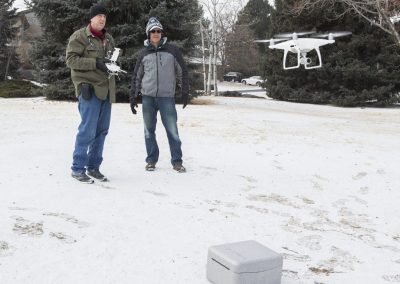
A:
[8,56]
[243,55]
[360,70]
[126,22]
[357,71]
[257,15]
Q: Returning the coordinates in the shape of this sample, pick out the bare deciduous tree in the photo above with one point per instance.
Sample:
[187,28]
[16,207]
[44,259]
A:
[382,13]
[224,16]
[242,52]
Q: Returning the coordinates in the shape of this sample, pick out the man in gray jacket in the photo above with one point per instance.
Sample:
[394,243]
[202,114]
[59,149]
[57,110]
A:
[158,68]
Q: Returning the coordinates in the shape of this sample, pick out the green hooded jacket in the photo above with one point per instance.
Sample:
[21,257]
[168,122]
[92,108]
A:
[82,50]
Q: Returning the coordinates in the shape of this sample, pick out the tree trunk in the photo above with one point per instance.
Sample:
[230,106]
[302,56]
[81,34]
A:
[204,59]
[8,64]
[209,69]
[210,55]
[215,52]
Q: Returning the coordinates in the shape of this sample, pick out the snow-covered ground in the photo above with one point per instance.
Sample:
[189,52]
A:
[318,184]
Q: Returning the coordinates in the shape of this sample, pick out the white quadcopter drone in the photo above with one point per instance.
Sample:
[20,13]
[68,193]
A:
[113,68]
[295,43]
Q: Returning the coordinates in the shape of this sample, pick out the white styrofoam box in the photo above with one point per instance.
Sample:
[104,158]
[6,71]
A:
[246,262]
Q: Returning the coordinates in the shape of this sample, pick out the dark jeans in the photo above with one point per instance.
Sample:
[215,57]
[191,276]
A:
[169,117]
[92,131]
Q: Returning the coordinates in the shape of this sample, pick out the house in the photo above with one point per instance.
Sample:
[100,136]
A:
[28,29]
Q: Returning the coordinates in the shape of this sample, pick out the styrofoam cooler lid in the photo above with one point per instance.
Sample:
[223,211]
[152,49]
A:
[246,256]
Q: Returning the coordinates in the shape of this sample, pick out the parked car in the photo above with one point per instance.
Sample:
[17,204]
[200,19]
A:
[233,77]
[253,80]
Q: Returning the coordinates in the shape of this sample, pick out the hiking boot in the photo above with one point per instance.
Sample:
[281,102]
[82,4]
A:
[94,173]
[82,177]
[179,168]
[150,167]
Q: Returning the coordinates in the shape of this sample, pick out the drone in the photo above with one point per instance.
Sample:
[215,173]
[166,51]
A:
[113,68]
[301,45]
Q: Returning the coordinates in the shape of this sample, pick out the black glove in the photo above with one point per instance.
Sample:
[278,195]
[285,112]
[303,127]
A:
[101,64]
[185,100]
[133,101]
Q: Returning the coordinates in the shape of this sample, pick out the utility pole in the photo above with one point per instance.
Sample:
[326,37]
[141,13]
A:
[204,59]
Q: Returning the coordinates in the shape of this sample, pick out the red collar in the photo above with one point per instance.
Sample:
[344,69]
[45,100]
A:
[99,34]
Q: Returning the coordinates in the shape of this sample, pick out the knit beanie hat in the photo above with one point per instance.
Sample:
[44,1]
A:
[96,10]
[152,24]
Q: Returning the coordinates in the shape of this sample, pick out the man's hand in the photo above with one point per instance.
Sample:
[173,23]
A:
[133,102]
[185,100]
[101,64]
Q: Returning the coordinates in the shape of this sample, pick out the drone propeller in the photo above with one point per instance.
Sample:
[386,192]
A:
[272,40]
[293,35]
[333,35]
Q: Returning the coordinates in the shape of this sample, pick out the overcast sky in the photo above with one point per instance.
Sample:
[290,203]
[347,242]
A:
[19,4]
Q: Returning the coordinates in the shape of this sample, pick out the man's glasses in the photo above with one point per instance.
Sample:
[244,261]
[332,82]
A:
[155,31]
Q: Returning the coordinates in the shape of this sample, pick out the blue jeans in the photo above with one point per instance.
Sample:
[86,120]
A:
[92,131]
[169,117]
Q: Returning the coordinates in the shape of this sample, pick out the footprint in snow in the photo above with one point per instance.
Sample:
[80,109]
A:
[16,208]
[381,171]
[159,194]
[62,237]
[311,242]
[67,218]
[340,260]
[321,178]
[249,179]
[364,190]
[26,227]
[359,176]
[392,278]
[317,186]
[6,249]
[258,209]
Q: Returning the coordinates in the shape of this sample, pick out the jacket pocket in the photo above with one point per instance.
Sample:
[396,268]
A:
[91,52]
[86,91]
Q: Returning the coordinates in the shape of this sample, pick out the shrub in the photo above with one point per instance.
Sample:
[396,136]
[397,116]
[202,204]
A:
[17,89]
[230,94]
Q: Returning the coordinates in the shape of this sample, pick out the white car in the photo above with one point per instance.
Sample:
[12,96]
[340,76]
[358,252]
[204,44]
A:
[253,80]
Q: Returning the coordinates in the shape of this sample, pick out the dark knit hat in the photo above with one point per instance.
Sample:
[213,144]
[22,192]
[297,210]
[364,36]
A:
[97,9]
[152,24]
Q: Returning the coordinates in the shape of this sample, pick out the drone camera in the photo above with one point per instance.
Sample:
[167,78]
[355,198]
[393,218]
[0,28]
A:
[306,60]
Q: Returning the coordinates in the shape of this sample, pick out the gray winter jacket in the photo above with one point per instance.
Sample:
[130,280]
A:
[157,71]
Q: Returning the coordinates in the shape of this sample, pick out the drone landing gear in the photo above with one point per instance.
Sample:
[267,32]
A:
[302,58]
[298,58]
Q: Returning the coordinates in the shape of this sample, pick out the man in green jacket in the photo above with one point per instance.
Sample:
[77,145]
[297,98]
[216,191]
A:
[86,56]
